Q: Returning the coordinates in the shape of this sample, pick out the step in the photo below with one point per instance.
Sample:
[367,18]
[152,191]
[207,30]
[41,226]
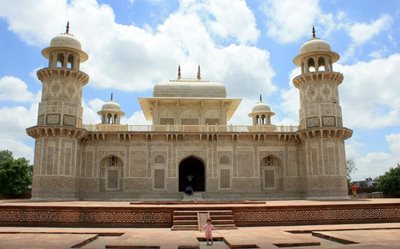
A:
[222,222]
[222,217]
[185,222]
[184,227]
[186,217]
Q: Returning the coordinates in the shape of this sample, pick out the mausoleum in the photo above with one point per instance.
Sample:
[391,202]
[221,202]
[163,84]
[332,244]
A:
[189,142]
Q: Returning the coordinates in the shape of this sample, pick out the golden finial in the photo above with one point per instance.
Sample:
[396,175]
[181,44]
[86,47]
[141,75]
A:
[179,72]
[260,98]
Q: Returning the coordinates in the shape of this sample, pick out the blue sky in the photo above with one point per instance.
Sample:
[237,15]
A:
[248,45]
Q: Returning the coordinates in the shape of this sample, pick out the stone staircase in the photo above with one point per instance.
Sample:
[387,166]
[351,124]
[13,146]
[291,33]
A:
[188,219]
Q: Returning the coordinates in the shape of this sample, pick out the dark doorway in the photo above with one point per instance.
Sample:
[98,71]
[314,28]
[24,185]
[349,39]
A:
[191,173]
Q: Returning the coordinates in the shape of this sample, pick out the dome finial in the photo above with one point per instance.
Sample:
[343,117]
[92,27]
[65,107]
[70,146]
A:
[112,97]
[260,98]
[179,71]
[313,32]
[67,28]
[198,73]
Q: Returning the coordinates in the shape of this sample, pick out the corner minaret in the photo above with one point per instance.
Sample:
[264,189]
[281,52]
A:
[321,130]
[59,124]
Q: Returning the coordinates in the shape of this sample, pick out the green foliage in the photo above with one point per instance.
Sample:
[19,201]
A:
[15,174]
[389,183]
[350,168]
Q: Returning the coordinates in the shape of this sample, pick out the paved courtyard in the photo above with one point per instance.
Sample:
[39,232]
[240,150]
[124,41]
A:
[318,236]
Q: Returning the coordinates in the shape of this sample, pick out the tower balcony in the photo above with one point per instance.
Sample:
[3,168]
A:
[310,77]
[51,72]
[56,131]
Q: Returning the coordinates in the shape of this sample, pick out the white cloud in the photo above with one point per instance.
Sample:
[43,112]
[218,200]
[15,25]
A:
[90,110]
[373,163]
[290,20]
[130,58]
[226,22]
[18,148]
[394,143]
[137,118]
[31,20]
[370,93]
[14,89]
[13,124]
[241,116]
[360,32]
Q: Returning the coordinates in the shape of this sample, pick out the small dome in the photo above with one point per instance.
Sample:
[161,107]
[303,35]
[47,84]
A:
[261,107]
[111,106]
[65,40]
[190,88]
[314,45]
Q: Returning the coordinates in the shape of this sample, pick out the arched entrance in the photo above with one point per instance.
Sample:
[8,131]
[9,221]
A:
[192,172]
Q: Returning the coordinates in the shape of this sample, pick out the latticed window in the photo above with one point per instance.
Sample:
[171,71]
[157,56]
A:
[159,179]
[269,178]
[111,171]
[113,179]
[224,160]
[270,161]
[269,170]
[112,161]
[225,178]
[159,159]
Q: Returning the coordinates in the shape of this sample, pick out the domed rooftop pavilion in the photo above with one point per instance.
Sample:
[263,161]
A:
[65,40]
[172,100]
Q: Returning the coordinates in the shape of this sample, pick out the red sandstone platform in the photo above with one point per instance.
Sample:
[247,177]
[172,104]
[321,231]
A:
[160,214]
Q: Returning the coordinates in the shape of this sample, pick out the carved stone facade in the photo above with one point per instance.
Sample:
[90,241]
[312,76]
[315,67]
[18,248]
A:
[189,143]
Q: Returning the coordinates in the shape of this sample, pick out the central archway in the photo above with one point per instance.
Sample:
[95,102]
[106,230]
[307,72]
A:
[192,172]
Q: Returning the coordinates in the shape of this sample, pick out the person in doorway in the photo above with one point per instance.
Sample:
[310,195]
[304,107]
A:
[189,190]
[208,227]
[354,189]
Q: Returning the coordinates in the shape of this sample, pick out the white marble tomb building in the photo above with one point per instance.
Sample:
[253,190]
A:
[189,141]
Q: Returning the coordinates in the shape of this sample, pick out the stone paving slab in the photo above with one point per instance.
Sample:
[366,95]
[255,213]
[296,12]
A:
[270,203]
[385,235]
[42,241]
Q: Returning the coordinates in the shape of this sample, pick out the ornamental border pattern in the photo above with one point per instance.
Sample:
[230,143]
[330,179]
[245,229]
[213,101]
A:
[162,216]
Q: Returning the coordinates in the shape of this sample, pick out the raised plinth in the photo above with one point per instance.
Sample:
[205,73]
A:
[266,213]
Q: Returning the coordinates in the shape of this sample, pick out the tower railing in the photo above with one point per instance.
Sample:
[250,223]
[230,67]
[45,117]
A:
[189,128]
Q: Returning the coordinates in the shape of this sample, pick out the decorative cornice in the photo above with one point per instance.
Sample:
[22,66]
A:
[317,76]
[56,131]
[331,132]
[45,73]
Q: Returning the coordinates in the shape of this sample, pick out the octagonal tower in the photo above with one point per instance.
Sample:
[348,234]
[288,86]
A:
[59,124]
[321,129]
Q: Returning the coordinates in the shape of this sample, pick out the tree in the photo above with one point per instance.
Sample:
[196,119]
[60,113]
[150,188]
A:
[15,174]
[389,183]
[350,168]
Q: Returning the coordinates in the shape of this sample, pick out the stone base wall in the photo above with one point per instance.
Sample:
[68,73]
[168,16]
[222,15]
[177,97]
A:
[326,187]
[54,187]
[111,216]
